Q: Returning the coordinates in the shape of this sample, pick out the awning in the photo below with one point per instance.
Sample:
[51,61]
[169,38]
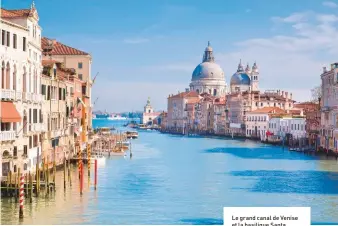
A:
[9,112]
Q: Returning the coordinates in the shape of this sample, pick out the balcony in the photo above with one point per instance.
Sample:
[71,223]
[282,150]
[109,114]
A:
[27,97]
[12,95]
[31,97]
[7,135]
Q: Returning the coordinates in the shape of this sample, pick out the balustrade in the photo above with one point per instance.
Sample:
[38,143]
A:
[7,135]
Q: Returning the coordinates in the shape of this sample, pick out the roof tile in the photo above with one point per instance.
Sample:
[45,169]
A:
[59,48]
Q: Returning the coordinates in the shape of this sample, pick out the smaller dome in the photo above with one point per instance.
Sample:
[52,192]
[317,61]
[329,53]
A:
[240,79]
[208,49]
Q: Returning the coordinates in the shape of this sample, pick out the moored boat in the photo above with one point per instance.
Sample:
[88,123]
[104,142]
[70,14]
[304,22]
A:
[132,134]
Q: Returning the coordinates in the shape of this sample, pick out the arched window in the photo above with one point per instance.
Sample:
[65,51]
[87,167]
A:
[25,166]
[14,168]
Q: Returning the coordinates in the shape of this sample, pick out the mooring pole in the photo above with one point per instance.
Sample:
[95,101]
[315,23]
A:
[22,184]
[95,179]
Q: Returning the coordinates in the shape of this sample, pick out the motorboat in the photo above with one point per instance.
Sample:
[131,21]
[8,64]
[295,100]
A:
[132,134]
[101,160]
[124,143]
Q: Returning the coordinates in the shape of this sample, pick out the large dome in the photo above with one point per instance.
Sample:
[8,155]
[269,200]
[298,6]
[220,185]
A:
[208,70]
[240,79]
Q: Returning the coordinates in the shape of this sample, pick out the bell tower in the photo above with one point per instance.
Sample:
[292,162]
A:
[255,78]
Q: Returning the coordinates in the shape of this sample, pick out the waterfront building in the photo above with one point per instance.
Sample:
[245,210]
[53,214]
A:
[329,109]
[208,76]
[58,139]
[283,125]
[149,116]
[239,103]
[257,122]
[21,101]
[76,59]
[220,116]
[80,62]
[204,114]
[177,114]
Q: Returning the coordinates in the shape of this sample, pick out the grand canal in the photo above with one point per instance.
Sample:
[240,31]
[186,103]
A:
[180,180]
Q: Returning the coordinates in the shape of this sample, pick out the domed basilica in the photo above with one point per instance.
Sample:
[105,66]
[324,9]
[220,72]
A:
[245,80]
[208,77]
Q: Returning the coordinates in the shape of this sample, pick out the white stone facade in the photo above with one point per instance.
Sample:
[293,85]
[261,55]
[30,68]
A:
[20,62]
[287,125]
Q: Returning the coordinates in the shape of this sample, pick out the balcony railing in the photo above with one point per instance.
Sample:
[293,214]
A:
[8,94]
[7,135]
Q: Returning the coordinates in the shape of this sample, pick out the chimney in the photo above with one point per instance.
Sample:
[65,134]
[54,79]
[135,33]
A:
[301,112]
[286,95]
[290,96]
[324,69]
[282,93]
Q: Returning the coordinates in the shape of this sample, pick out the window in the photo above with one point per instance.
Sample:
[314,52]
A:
[14,41]
[48,92]
[261,104]
[43,89]
[3,37]
[8,38]
[24,44]
[60,93]
[80,76]
[25,149]
[64,94]
[35,116]
[30,142]
[79,65]
[15,151]
[30,116]
[84,90]
[41,118]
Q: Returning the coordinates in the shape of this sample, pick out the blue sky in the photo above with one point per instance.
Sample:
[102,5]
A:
[149,48]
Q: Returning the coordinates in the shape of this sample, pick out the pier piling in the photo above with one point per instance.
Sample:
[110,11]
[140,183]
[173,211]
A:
[69,174]
[31,187]
[95,174]
[81,178]
[54,170]
[15,189]
[22,184]
[64,173]
[26,179]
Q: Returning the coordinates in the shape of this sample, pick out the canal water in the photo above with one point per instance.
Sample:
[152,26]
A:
[187,180]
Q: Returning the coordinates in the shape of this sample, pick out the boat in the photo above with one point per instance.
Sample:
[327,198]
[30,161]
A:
[125,143]
[116,117]
[101,160]
[132,134]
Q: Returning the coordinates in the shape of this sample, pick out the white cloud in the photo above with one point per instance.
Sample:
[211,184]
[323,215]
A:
[293,18]
[136,40]
[330,4]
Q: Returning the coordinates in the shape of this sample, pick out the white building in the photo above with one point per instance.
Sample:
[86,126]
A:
[149,115]
[280,126]
[208,76]
[20,61]
[257,123]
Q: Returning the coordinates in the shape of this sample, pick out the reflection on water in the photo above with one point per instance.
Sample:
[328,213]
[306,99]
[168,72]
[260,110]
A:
[180,180]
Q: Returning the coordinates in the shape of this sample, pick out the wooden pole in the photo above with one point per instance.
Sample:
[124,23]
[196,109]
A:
[64,173]
[69,174]
[15,188]
[81,179]
[27,189]
[10,181]
[54,169]
[31,187]
[95,178]
[22,184]
[47,175]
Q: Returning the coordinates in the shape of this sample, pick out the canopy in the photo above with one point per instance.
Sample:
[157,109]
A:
[9,112]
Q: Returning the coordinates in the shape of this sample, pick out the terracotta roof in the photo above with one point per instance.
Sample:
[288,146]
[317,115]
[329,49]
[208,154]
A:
[60,49]
[49,62]
[268,110]
[5,13]
[185,94]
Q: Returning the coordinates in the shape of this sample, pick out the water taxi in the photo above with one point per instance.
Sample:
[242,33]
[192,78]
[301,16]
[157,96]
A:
[132,135]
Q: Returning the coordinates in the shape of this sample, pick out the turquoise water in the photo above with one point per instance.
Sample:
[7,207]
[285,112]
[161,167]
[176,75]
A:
[180,180]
